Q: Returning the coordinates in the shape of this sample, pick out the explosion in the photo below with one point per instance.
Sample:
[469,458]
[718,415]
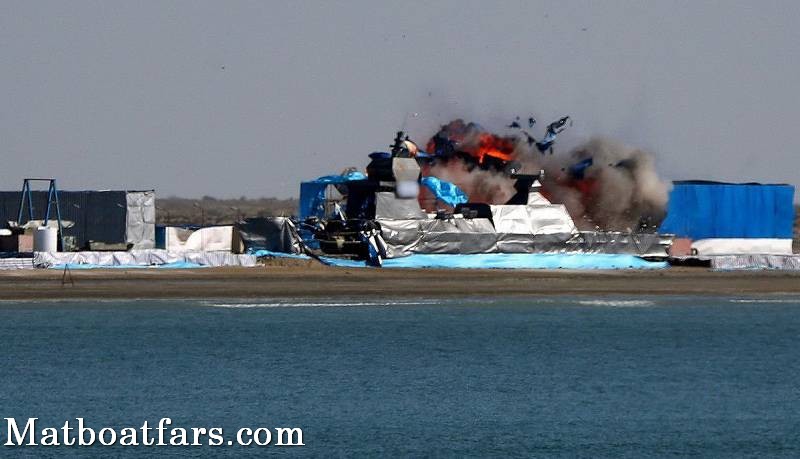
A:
[602,183]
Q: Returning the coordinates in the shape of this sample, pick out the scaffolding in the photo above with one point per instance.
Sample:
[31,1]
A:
[52,198]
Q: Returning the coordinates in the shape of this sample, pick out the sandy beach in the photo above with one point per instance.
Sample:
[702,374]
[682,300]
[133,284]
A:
[306,279]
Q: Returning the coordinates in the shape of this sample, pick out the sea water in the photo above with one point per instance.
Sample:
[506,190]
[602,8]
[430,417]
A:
[577,376]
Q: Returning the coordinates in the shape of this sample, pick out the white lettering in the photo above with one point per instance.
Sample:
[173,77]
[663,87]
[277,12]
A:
[161,430]
[30,427]
[257,436]
[128,437]
[215,436]
[102,436]
[197,431]
[289,435]
[83,435]
[50,436]
[239,436]
[66,429]
[178,433]
[145,429]
[82,430]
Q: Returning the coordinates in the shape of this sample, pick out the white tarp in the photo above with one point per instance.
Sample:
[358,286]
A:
[733,246]
[387,206]
[536,199]
[537,227]
[211,238]
[147,257]
[140,229]
[453,235]
[735,262]
[16,263]
[532,219]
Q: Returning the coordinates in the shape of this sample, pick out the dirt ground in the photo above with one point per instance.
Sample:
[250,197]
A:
[308,279]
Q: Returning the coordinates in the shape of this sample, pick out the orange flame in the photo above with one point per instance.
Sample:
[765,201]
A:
[472,140]
[494,146]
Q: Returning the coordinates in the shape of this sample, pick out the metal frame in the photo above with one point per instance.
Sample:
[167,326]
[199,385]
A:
[52,197]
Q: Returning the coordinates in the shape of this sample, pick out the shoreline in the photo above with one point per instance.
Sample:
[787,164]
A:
[314,281]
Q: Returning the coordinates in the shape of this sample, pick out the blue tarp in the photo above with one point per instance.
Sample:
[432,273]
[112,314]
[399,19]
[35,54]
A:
[445,191]
[269,253]
[703,210]
[312,193]
[510,261]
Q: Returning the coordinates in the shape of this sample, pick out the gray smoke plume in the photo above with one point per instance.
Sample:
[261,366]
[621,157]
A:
[603,183]
[490,186]
[621,190]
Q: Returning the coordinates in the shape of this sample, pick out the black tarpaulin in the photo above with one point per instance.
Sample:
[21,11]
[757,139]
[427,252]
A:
[276,234]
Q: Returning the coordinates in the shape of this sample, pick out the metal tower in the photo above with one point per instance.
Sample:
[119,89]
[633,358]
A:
[52,198]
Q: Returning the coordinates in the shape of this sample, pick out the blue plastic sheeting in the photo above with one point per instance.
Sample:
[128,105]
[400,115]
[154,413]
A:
[270,253]
[344,263]
[445,191]
[175,265]
[312,194]
[703,210]
[580,261]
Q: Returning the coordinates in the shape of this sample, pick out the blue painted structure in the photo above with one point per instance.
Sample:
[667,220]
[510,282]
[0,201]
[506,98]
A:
[705,210]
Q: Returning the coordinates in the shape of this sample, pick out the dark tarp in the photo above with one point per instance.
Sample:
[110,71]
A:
[312,193]
[99,216]
[276,234]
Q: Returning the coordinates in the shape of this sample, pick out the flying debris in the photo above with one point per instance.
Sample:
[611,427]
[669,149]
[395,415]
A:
[553,129]
[514,124]
[578,170]
[529,138]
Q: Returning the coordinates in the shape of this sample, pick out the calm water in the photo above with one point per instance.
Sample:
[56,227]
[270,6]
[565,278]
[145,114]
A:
[524,377]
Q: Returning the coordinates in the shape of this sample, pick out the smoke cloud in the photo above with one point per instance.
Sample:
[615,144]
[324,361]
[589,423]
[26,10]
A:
[603,183]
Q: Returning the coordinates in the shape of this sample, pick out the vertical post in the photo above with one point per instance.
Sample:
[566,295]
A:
[58,214]
[26,193]
[49,203]
[21,201]
[30,200]
[67,273]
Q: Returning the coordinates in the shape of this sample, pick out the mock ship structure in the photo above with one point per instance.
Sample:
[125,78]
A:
[380,216]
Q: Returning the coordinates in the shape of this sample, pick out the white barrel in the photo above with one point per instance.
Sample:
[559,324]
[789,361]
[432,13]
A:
[45,239]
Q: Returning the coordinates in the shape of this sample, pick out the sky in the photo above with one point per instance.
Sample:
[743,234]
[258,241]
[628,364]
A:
[233,98]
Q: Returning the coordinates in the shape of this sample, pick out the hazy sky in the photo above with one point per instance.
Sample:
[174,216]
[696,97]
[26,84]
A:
[248,98]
